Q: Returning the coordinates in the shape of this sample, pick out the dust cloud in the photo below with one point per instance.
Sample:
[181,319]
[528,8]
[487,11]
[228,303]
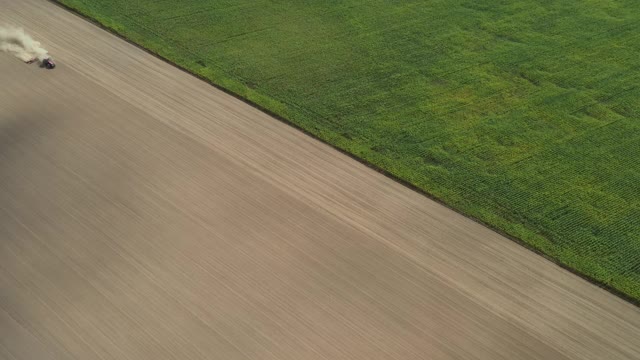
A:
[17,42]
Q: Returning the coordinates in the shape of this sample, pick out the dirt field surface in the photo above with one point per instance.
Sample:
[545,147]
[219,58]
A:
[146,215]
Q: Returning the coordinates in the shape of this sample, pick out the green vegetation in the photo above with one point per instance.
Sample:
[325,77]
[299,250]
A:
[524,114]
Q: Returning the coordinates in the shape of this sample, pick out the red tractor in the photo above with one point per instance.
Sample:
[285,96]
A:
[48,63]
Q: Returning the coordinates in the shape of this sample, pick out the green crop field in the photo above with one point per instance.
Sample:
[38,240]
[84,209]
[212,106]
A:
[524,114]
